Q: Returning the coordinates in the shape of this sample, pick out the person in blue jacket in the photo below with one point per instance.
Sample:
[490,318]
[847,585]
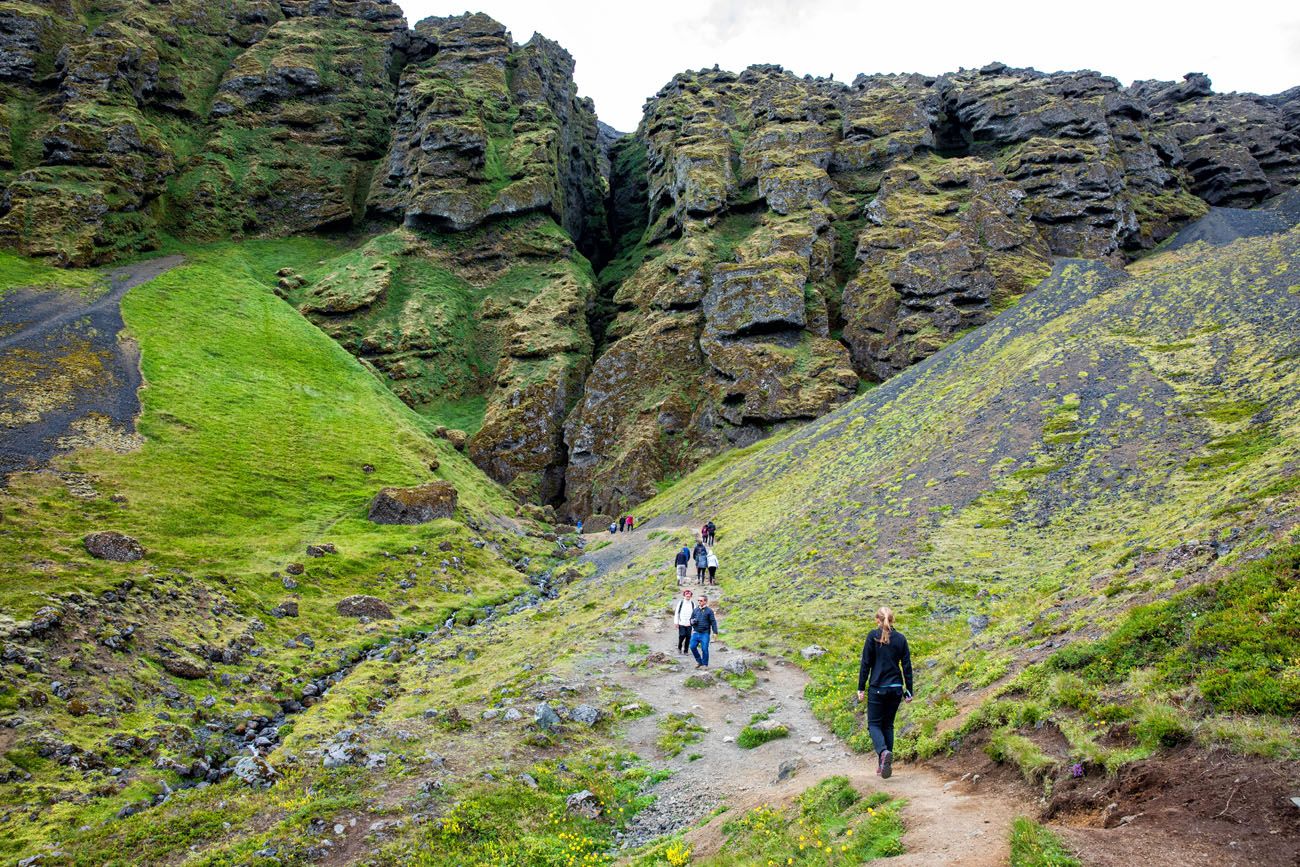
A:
[704,624]
[682,561]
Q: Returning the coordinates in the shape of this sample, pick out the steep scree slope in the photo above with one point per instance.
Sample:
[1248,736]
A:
[1116,438]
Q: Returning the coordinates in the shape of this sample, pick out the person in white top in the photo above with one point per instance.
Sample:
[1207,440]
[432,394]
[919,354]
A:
[682,611]
[712,560]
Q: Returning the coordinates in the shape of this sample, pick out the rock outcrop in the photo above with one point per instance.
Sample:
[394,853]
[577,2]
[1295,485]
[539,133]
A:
[112,545]
[487,128]
[106,114]
[494,170]
[418,505]
[778,237]
[302,117]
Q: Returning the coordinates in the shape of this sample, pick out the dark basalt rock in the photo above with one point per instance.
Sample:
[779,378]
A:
[364,606]
[111,545]
[518,140]
[185,668]
[898,212]
[418,505]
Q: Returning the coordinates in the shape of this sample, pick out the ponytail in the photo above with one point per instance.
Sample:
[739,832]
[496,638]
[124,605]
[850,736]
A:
[885,620]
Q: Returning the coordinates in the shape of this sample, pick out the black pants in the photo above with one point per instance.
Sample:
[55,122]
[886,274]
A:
[683,638]
[882,707]
[699,574]
[713,573]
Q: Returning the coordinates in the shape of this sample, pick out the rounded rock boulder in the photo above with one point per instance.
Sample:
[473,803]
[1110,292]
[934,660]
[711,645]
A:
[418,505]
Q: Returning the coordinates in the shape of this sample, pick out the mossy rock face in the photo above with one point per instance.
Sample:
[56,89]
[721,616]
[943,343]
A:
[301,117]
[494,318]
[947,243]
[204,120]
[486,128]
[895,213]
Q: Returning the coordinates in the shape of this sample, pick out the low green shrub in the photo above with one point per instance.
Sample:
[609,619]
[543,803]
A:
[1032,845]
[1006,746]
[830,823]
[753,736]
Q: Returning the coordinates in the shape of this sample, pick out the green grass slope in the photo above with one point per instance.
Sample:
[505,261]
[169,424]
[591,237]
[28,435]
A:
[1115,440]
[259,435]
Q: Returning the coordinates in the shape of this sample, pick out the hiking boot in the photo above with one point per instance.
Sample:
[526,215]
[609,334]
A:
[698,667]
[886,764]
[877,766]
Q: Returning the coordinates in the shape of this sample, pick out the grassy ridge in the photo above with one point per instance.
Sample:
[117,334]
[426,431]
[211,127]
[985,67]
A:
[257,427]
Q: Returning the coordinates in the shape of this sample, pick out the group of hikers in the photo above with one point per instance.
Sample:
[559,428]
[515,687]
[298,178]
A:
[705,560]
[623,524]
[884,671]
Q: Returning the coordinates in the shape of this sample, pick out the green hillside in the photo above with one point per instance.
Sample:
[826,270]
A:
[258,434]
[1116,440]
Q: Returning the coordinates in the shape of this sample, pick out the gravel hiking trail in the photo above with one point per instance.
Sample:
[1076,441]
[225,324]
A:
[947,821]
[66,379]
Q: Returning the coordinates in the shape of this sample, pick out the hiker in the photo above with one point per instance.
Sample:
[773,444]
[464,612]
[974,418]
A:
[682,612]
[631,523]
[712,561]
[703,622]
[701,556]
[622,523]
[682,560]
[887,666]
[704,534]
[613,527]
[710,530]
[578,526]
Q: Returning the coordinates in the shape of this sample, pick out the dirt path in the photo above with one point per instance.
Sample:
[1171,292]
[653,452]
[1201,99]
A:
[947,821]
[65,377]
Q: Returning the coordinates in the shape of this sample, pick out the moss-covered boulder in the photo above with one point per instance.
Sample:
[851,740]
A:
[418,505]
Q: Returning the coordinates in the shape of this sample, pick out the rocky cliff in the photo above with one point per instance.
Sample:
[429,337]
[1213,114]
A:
[128,119]
[494,171]
[781,237]
[767,243]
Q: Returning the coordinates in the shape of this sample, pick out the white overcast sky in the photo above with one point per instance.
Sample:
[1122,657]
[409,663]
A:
[625,51]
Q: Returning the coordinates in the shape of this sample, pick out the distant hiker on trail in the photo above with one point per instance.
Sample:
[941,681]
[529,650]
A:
[703,622]
[712,560]
[710,531]
[704,534]
[701,556]
[887,665]
[622,523]
[578,526]
[631,523]
[682,611]
[682,560]
[613,527]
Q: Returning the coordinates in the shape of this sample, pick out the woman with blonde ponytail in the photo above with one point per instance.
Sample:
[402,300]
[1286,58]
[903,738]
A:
[887,667]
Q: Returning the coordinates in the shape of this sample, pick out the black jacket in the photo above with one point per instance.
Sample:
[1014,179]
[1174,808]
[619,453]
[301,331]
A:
[683,558]
[704,620]
[881,663]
